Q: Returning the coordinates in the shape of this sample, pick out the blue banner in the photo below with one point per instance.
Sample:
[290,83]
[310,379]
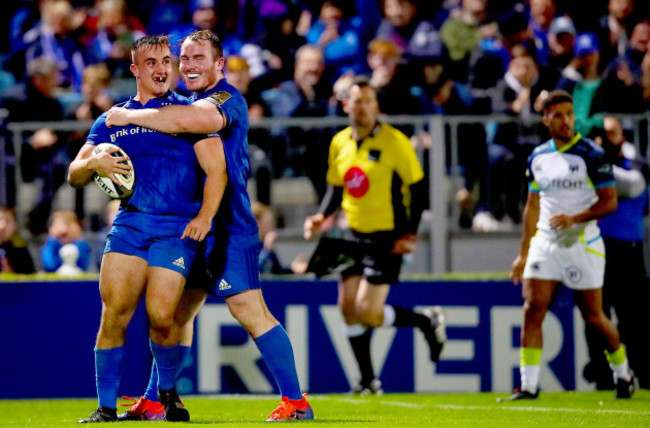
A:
[48,331]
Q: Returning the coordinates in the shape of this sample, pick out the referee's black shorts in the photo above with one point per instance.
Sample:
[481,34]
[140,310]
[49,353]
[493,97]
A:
[377,264]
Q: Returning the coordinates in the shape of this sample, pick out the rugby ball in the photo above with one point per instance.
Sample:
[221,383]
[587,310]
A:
[127,182]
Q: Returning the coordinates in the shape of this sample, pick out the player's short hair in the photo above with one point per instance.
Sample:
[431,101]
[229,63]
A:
[210,37]
[147,42]
[556,97]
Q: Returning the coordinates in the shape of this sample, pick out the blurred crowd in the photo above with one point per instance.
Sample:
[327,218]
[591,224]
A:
[69,60]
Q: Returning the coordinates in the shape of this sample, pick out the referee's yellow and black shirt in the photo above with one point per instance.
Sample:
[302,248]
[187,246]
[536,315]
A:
[375,174]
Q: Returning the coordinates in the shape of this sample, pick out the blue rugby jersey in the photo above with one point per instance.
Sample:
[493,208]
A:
[168,177]
[235,210]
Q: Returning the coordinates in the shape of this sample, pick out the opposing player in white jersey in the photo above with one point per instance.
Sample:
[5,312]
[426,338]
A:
[570,188]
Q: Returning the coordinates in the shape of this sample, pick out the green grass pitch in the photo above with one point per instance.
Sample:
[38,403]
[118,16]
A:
[563,409]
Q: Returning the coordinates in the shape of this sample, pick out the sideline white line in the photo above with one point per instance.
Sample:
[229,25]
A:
[402,404]
[515,409]
[540,409]
[362,401]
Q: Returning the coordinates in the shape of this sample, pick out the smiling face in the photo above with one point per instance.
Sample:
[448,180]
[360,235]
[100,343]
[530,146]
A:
[309,67]
[199,68]
[152,68]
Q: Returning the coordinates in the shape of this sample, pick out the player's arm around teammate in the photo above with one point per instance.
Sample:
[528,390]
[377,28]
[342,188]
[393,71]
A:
[198,118]
[201,69]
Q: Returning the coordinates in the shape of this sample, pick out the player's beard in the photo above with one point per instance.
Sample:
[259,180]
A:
[564,135]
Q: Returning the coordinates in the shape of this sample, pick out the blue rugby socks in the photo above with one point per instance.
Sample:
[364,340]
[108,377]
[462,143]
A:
[277,352]
[167,359]
[152,389]
[107,374]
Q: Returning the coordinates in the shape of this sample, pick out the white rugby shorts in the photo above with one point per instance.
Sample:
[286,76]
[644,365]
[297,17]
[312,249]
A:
[580,266]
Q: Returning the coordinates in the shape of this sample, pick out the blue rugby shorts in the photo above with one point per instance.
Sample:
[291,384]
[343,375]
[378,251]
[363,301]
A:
[229,265]
[156,239]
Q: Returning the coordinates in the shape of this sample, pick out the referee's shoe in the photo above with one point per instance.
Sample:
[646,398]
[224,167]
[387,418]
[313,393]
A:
[436,331]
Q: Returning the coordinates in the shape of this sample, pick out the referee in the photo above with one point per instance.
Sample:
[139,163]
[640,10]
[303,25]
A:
[375,177]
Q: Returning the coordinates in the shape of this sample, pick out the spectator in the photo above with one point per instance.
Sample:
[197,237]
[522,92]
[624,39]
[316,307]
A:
[65,232]
[645,76]
[561,42]
[489,64]
[306,95]
[50,39]
[441,95]
[339,40]
[44,153]
[14,255]
[238,75]
[542,13]
[269,261]
[25,17]
[621,88]
[407,25]
[639,42]
[259,147]
[615,28]
[281,42]
[95,101]
[462,34]
[116,32]
[203,17]
[163,16]
[97,79]
[626,287]
[388,76]
[514,95]
[582,79]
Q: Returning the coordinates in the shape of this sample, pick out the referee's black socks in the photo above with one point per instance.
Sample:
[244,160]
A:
[408,318]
